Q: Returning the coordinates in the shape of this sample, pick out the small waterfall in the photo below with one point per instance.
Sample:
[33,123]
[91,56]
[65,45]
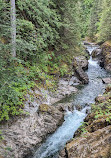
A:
[92,62]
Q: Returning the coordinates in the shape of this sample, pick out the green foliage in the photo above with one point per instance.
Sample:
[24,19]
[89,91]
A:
[98,19]
[103,110]
[48,35]
[12,90]
[95,17]
[83,128]
[38,28]
[84,7]
[105,22]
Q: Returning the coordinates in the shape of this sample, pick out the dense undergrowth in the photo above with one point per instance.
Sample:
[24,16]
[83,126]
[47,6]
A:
[46,41]
[24,76]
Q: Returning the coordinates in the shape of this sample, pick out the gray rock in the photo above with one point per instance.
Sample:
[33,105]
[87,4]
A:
[65,107]
[82,75]
[106,80]
[64,88]
[80,64]
[97,53]
[27,133]
[74,81]
[62,154]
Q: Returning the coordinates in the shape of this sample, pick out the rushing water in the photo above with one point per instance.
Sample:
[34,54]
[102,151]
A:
[74,119]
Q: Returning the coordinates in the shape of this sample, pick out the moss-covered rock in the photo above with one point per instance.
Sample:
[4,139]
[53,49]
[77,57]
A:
[44,108]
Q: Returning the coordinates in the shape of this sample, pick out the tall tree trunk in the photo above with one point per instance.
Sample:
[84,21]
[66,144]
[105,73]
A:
[13,27]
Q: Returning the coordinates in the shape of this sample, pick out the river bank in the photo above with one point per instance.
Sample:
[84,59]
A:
[93,140]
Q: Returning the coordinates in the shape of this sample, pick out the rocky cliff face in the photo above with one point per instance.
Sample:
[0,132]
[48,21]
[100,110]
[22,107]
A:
[27,133]
[94,139]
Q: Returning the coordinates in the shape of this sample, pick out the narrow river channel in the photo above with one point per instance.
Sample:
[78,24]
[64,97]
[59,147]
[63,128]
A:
[73,120]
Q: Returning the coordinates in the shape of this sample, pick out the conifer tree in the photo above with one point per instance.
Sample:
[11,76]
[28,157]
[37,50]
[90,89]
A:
[105,22]
[95,17]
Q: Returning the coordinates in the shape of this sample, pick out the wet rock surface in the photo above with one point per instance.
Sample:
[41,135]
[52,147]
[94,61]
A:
[97,53]
[27,133]
[106,80]
[80,64]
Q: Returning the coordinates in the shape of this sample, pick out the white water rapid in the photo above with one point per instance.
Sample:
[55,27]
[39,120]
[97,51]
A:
[64,133]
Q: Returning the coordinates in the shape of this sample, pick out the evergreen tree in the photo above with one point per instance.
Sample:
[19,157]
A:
[70,31]
[105,22]
[85,7]
[43,28]
[95,18]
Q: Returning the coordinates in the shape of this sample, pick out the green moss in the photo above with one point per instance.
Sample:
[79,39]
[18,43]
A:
[44,108]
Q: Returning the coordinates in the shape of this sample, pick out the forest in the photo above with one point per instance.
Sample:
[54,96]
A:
[39,40]
[48,35]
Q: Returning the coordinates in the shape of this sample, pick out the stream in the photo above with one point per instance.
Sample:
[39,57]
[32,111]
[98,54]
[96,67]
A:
[73,120]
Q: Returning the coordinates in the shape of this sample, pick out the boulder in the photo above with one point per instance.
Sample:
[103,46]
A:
[62,154]
[82,75]
[64,89]
[106,80]
[80,64]
[98,124]
[27,133]
[91,145]
[74,81]
[97,53]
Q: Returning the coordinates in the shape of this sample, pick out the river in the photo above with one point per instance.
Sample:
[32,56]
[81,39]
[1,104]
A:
[73,120]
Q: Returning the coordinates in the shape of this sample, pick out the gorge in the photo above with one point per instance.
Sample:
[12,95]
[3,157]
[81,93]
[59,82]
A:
[73,120]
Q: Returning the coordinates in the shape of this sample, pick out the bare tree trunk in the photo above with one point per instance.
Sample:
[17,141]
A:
[13,27]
